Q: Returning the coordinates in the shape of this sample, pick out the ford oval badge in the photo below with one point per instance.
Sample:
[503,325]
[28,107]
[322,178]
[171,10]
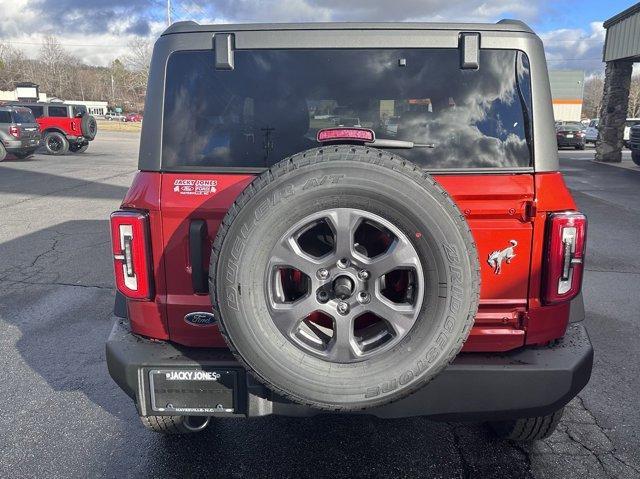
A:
[200,318]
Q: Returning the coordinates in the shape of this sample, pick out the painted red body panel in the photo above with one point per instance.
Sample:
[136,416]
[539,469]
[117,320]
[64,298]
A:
[499,208]
[69,126]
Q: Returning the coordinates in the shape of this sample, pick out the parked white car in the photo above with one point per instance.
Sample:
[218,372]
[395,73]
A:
[591,135]
[112,116]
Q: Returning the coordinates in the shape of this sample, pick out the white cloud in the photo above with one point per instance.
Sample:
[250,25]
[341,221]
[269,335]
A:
[99,31]
[575,48]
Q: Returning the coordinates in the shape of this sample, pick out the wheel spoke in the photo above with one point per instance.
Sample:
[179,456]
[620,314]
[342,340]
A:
[287,316]
[342,348]
[288,253]
[400,317]
[400,255]
[344,222]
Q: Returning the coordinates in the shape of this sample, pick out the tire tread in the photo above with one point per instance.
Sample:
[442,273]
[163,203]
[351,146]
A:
[323,155]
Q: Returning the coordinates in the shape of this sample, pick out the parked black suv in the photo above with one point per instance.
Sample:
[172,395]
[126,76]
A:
[19,132]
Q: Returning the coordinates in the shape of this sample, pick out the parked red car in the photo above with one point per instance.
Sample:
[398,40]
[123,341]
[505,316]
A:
[269,261]
[64,127]
[133,117]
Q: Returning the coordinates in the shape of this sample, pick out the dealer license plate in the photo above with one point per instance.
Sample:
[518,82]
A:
[192,390]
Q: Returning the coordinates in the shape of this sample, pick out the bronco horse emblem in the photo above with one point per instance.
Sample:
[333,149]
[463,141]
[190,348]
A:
[498,256]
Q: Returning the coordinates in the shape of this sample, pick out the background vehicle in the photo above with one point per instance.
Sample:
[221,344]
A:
[627,129]
[591,133]
[347,121]
[64,127]
[275,266]
[573,124]
[112,116]
[634,143]
[19,132]
[569,135]
[133,117]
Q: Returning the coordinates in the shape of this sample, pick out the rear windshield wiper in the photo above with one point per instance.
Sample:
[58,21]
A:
[385,143]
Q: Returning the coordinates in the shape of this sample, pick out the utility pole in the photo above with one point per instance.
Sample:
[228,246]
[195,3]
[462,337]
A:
[113,91]
[168,13]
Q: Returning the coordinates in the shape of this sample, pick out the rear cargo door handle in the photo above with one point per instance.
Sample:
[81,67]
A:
[197,237]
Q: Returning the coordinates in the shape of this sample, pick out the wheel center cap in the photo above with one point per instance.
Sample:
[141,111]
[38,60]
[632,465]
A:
[343,287]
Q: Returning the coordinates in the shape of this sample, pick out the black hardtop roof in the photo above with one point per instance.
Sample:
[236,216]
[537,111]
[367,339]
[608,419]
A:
[505,25]
[5,106]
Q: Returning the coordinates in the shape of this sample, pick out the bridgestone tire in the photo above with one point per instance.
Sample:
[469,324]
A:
[3,152]
[363,179]
[171,425]
[528,429]
[89,127]
[635,156]
[56,137]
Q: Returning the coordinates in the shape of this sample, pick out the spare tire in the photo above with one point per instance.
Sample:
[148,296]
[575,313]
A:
[344,278]
[89,127]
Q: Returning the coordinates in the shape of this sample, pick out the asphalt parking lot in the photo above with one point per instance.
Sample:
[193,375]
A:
[62,416]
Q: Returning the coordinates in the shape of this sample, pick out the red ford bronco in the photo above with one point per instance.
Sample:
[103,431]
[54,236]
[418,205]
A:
[64,127]
[425,260]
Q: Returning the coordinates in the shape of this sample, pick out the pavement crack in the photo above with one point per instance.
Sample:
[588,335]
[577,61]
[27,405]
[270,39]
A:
[464,464]
[57,283]
[44,253]
[588,449]
[525,452]
[611,271]
[613,452]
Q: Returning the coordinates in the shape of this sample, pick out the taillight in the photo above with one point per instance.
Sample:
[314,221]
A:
[14,131]
[566,241]
[131,253]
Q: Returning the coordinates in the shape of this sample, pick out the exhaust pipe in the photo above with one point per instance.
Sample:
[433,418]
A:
[196,423]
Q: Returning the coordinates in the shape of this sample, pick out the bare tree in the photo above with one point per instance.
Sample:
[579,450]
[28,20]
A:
[634,97]
[62,75]
[593,90]
[58,67]
[138,58]
[13,67]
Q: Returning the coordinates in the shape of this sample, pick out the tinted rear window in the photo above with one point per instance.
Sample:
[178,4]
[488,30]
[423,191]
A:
[58,111]
[5,117]
[274,101]
[79,110]
[23,116]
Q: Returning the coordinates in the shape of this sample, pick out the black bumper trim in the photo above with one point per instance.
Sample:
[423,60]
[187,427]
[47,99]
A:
[476,386]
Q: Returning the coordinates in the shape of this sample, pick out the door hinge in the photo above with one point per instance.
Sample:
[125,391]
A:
[529,211]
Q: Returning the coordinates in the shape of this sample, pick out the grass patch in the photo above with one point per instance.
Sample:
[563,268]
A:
[131,126]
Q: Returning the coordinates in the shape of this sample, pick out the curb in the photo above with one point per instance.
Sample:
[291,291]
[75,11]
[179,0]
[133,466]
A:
[625,165]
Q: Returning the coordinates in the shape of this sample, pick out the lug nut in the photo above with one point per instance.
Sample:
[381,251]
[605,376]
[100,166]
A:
[363,274]
[343,308]
[323,273]
[322,296]
[343,263]
[363,297]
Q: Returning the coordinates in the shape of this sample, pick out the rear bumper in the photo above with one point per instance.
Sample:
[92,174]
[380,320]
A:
[524,383]
[13,146]
[571,142]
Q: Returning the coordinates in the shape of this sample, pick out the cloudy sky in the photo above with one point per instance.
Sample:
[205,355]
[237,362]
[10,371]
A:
[99,31]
